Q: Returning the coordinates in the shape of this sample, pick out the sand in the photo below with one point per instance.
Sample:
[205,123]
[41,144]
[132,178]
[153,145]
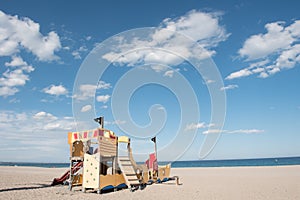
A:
[197,183]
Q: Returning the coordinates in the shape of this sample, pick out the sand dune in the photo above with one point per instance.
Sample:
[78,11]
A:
[198,183]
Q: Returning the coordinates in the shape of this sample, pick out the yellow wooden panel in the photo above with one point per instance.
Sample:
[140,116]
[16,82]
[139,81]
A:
[164,171]
[123,139]
[113,180]
[70,138]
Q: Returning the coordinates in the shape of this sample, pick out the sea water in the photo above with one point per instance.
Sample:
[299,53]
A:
[185,164]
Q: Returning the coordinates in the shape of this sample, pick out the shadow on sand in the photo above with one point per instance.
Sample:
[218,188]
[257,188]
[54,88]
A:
[39,186]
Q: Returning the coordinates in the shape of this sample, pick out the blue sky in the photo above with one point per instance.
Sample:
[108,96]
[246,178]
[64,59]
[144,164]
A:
[255,46]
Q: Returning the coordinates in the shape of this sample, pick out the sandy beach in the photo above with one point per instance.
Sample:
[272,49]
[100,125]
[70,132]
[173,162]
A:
[197,183]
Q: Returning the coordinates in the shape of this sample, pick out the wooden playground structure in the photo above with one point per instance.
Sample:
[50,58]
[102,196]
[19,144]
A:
[95,163]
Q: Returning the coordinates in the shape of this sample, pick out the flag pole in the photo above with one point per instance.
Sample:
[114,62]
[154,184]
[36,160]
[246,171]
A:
[155,149]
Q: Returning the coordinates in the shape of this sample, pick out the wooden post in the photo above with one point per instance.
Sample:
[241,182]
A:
[115,160]
[102,122]
[155,149]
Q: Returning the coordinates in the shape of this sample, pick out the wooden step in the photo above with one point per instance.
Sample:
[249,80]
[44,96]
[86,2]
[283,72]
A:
[128,171]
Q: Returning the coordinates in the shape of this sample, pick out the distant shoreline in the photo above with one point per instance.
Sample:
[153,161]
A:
[280,161]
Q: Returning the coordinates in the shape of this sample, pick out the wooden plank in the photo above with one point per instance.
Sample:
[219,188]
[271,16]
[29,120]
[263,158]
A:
[128,171]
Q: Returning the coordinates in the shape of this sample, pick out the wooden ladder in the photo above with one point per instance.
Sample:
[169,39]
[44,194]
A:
[128,172]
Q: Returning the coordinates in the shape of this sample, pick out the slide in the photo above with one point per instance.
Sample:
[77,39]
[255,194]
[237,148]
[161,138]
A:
[65,176]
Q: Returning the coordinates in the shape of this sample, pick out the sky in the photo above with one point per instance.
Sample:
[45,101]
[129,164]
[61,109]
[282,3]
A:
[203,76]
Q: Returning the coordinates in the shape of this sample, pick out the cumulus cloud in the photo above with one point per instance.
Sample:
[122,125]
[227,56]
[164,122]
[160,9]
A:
[34,134]
[202,27]
[88,90]
[271,52]
[16,35]
[16,75]
[23,33]
[48,122]
[103,98]
[229,87]
[261,45]
[15,62]
[86,108]
[11,121]
[56,90]
[44,116]
[85,91]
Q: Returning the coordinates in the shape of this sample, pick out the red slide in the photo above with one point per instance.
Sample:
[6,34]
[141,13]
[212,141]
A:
[65,176]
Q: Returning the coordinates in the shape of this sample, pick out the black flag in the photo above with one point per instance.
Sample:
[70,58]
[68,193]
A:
[153,139]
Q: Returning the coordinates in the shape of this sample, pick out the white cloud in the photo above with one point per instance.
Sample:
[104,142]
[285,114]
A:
[212,131]
[209,81]
[229,87]
[44,116]
[194,126]
[48,122]
[271,52]
[23,33]
[203,27]
[77,53]
[88,91]
[116,122]
[15,76]
[247,131]
[103,98]
[11,121]
[36,134]
[211,125]
[16,61]
[88,38]
[56,90]
[86,108]
[104,107]
[8,91]
[276,39]
[16,35]
[170,73]
[14,100]
[10,116]
[240,131]
[103,85]
[239,74]
[159,68]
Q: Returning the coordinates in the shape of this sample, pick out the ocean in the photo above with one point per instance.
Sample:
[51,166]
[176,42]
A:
[185,164]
